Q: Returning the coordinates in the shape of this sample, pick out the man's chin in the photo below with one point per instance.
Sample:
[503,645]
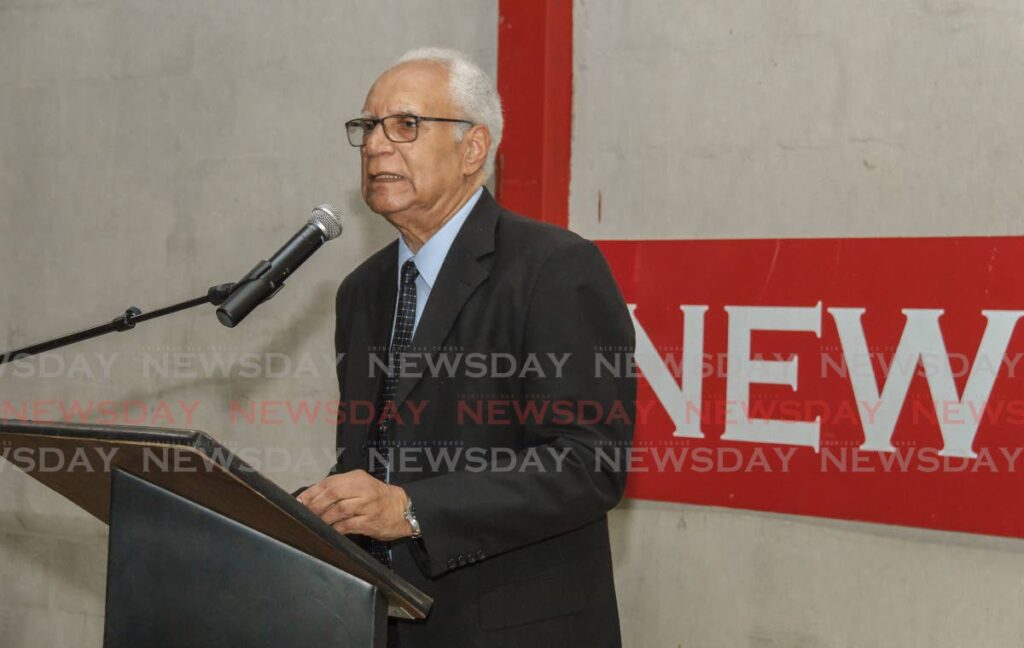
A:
[385,205]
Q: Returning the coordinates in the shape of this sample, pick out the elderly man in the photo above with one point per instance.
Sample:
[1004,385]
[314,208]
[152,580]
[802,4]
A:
[496,511]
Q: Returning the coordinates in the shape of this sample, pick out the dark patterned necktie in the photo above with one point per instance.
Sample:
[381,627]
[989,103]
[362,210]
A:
[405,319]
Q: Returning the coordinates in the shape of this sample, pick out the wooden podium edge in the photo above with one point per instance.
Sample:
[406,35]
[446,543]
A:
[285,519]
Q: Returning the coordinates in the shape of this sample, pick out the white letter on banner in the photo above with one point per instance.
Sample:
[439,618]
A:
[683,404]
[921,341]
[743,372]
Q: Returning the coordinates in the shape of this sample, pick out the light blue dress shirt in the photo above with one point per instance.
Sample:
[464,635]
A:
[431,256]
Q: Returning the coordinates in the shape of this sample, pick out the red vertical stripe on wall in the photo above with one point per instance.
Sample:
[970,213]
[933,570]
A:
[535,81]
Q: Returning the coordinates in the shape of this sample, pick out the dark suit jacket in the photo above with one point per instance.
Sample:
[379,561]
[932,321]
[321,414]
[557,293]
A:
[512,557]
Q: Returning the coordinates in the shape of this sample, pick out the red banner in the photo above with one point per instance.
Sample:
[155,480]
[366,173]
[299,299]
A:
[864,379]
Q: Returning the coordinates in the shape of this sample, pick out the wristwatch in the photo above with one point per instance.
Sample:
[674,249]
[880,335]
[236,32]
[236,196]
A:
[410,517]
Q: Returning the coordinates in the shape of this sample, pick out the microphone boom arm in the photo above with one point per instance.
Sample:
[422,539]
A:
[132,316]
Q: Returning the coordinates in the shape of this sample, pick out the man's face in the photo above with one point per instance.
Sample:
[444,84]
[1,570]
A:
[412,180]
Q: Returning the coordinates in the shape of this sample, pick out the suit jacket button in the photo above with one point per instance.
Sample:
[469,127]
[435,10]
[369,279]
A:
[462,561]
[452,564]
[471,558]
[480,554]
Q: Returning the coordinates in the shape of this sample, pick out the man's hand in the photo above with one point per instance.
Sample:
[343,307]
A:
[356,502]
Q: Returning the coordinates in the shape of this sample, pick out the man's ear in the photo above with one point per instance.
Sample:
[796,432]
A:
[477,141]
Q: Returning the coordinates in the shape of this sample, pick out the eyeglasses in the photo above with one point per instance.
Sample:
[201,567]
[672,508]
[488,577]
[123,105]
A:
[397,128]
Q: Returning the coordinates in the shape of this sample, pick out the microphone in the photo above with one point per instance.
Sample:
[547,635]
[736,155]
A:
[264,280]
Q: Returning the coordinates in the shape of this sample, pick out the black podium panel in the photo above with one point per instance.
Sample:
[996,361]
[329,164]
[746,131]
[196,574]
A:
[182,575]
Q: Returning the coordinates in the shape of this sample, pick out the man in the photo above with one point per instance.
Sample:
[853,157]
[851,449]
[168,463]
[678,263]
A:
[493,498]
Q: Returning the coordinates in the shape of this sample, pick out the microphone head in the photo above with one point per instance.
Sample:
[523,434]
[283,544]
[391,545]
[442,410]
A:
[328,220]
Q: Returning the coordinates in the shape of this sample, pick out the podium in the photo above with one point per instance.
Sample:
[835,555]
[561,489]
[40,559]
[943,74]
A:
[205,551]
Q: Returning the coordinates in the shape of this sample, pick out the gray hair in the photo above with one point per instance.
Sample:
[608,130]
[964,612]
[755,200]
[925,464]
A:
[472,91]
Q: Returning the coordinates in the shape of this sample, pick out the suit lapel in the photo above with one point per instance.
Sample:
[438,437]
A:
[377,306]
[463,270]
[382,314]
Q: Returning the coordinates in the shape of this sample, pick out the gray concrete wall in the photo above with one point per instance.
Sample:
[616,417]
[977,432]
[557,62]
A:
[792,118]
[747,119]
[148,150]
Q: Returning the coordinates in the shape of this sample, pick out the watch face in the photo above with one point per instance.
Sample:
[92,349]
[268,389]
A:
[410,517]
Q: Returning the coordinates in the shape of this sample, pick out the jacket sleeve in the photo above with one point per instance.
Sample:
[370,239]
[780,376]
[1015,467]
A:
[561,482]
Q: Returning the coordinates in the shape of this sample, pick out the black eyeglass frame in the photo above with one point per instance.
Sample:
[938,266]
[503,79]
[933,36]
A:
[362,121]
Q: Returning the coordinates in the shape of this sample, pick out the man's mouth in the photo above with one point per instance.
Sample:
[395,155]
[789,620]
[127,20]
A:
[385,177]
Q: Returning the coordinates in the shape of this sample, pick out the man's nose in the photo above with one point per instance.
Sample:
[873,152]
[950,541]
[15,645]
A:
[377,142]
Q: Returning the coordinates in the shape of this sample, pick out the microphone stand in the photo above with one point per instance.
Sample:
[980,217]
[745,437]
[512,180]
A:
[216,296]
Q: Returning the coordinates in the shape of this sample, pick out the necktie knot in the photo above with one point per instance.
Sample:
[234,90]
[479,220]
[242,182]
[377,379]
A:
[409,271]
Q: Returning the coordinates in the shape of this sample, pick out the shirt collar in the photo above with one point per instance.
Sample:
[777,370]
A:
[431,256]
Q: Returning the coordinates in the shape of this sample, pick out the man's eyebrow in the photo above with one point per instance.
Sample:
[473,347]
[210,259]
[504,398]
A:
[402,109]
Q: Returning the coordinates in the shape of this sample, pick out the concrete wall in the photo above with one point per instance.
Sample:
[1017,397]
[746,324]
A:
[747,119]
[791,118]
[148,150]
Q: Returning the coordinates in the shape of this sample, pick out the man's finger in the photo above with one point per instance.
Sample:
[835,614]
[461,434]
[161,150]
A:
[355,483]
[311,492]
[334,488]
[324,501]
[343,510]
[353,525]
